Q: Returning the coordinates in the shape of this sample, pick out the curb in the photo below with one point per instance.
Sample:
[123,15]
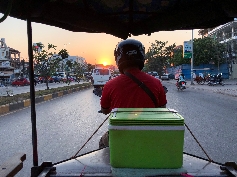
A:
[4,109]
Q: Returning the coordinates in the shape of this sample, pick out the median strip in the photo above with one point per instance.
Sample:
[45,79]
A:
[40,97]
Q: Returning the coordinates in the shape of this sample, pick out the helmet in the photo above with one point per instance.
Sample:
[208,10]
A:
[128,53]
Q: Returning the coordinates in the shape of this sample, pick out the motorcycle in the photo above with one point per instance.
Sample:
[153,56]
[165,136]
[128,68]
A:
[98,90]
[200,80]
[216,79]
[181,85]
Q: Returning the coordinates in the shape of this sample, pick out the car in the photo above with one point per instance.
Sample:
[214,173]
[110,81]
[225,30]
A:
[165,77]
[56,79]
[100,76]
[116,75]
[153,73]
[171,76]
[41,79]
[21,82]
[50,79]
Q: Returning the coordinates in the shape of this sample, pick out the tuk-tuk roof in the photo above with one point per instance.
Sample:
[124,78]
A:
[124,18]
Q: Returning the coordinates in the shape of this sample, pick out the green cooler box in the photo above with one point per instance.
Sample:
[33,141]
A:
[146,138]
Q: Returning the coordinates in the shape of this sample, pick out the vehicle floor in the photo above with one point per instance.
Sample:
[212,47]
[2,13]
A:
[97,163]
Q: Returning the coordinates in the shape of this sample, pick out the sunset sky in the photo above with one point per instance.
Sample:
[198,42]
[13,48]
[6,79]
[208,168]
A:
[94,47]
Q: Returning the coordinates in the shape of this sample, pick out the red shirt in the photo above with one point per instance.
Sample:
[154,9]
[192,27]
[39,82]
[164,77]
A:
[123,92]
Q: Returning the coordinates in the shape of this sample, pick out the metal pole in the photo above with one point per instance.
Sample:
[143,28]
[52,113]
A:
[32,93]
[192,61]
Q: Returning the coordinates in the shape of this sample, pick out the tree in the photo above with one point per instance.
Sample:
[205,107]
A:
[46,63]
[169,52]
[159,57]
[67,68]
[208,50]
[90,67]
[78,70]
[178,58]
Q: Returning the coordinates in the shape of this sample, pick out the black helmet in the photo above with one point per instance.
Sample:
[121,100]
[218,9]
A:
[128,53]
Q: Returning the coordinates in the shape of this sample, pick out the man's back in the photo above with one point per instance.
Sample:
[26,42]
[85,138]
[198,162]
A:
[123,92]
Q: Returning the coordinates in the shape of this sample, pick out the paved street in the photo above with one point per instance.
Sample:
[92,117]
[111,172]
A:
[64,124]
[230,87]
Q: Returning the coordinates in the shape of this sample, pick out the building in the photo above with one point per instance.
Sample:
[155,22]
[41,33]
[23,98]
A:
[10,64]
[74,59]
[227,34]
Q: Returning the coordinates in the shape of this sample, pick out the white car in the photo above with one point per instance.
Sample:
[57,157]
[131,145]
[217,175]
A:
[100,76]
[165,77]
[154,73]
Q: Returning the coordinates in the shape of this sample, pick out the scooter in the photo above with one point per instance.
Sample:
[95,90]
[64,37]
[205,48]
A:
[181,85]
[98,90]
[216,79]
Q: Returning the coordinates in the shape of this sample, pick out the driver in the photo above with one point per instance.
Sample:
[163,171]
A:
[122,91]
[181,79]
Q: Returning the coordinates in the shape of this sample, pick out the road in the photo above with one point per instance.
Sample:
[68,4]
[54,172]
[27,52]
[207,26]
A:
[65,123]
[212,118]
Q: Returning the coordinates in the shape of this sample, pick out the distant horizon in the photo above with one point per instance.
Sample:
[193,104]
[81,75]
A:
[94,47]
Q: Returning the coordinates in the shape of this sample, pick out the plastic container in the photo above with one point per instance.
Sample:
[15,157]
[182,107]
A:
[146,138]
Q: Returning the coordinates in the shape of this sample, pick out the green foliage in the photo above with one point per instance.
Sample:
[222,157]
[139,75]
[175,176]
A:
[63,53]
[47,62]
[78,70]
[159,57]
[208,50]
[178,56]
[169,53]
[146,67]
[90,67]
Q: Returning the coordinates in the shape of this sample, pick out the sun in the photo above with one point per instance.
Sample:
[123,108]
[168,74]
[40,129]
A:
[105,63]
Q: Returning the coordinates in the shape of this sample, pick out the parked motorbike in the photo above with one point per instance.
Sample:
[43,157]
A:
[181,85]
[200,80]
[216,79]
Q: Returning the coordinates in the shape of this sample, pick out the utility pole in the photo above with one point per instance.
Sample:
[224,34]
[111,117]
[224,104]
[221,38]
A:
[192,61]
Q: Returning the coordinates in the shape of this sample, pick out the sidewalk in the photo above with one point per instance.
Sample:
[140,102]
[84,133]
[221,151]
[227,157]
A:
[27,102]
[230,87]
[4,91]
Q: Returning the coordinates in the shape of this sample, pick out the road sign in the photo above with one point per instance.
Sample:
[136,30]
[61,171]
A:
[187,49]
